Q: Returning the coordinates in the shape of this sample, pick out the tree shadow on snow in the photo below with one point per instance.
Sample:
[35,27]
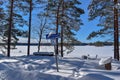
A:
[111,73]
[71,63]
[41,63]
[95,77]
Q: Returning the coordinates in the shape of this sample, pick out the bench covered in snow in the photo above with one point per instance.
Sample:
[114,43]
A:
[43,53]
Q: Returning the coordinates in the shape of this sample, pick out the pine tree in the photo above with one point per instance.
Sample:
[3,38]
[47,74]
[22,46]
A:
[13,21]
[107,13]
[66,14]
[2,15]
[33,4]
[104,10]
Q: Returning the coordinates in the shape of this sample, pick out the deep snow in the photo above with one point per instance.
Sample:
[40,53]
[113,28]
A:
[71,66]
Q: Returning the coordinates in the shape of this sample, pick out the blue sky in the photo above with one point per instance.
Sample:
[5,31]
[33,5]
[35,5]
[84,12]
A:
[85,30]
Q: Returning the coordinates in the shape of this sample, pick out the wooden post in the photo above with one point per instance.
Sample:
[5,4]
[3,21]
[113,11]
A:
[108,66]
[56,57]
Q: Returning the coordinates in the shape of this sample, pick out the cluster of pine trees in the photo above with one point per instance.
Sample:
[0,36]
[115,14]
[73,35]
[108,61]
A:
[60,16]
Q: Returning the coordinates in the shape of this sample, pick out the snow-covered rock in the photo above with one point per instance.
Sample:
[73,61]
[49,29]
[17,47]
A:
[105,60]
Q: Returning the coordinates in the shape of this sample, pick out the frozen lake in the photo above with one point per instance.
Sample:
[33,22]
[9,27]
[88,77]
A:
[77,52]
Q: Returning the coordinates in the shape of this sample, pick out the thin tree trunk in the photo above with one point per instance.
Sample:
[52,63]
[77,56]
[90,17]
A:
[29,34]
[10,28]
[40,37]
[56,45]
[41,32]
[62,29]
[57,25]
[116,32]
[61,41]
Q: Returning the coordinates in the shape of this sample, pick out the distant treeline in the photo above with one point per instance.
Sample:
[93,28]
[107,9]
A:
[98,43]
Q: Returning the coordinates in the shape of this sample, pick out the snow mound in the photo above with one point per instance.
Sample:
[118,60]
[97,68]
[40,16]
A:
[28,75]
[29,67]
[105,60]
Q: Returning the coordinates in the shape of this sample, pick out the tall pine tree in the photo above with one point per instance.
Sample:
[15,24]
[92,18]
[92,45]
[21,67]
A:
[107,13]
[11,24]
[66,14]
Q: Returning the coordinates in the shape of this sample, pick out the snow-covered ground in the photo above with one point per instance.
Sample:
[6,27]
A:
[71,66]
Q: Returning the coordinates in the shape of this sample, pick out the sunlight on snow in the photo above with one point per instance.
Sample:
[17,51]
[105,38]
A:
[8,60]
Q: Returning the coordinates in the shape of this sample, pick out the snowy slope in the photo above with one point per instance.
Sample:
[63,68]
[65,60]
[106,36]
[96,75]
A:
[43,68]
[71,67]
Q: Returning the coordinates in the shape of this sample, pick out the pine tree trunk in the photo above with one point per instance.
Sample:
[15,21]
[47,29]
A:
[9,29]
[61,41]
[116,32]
[29,34]
[62,29]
